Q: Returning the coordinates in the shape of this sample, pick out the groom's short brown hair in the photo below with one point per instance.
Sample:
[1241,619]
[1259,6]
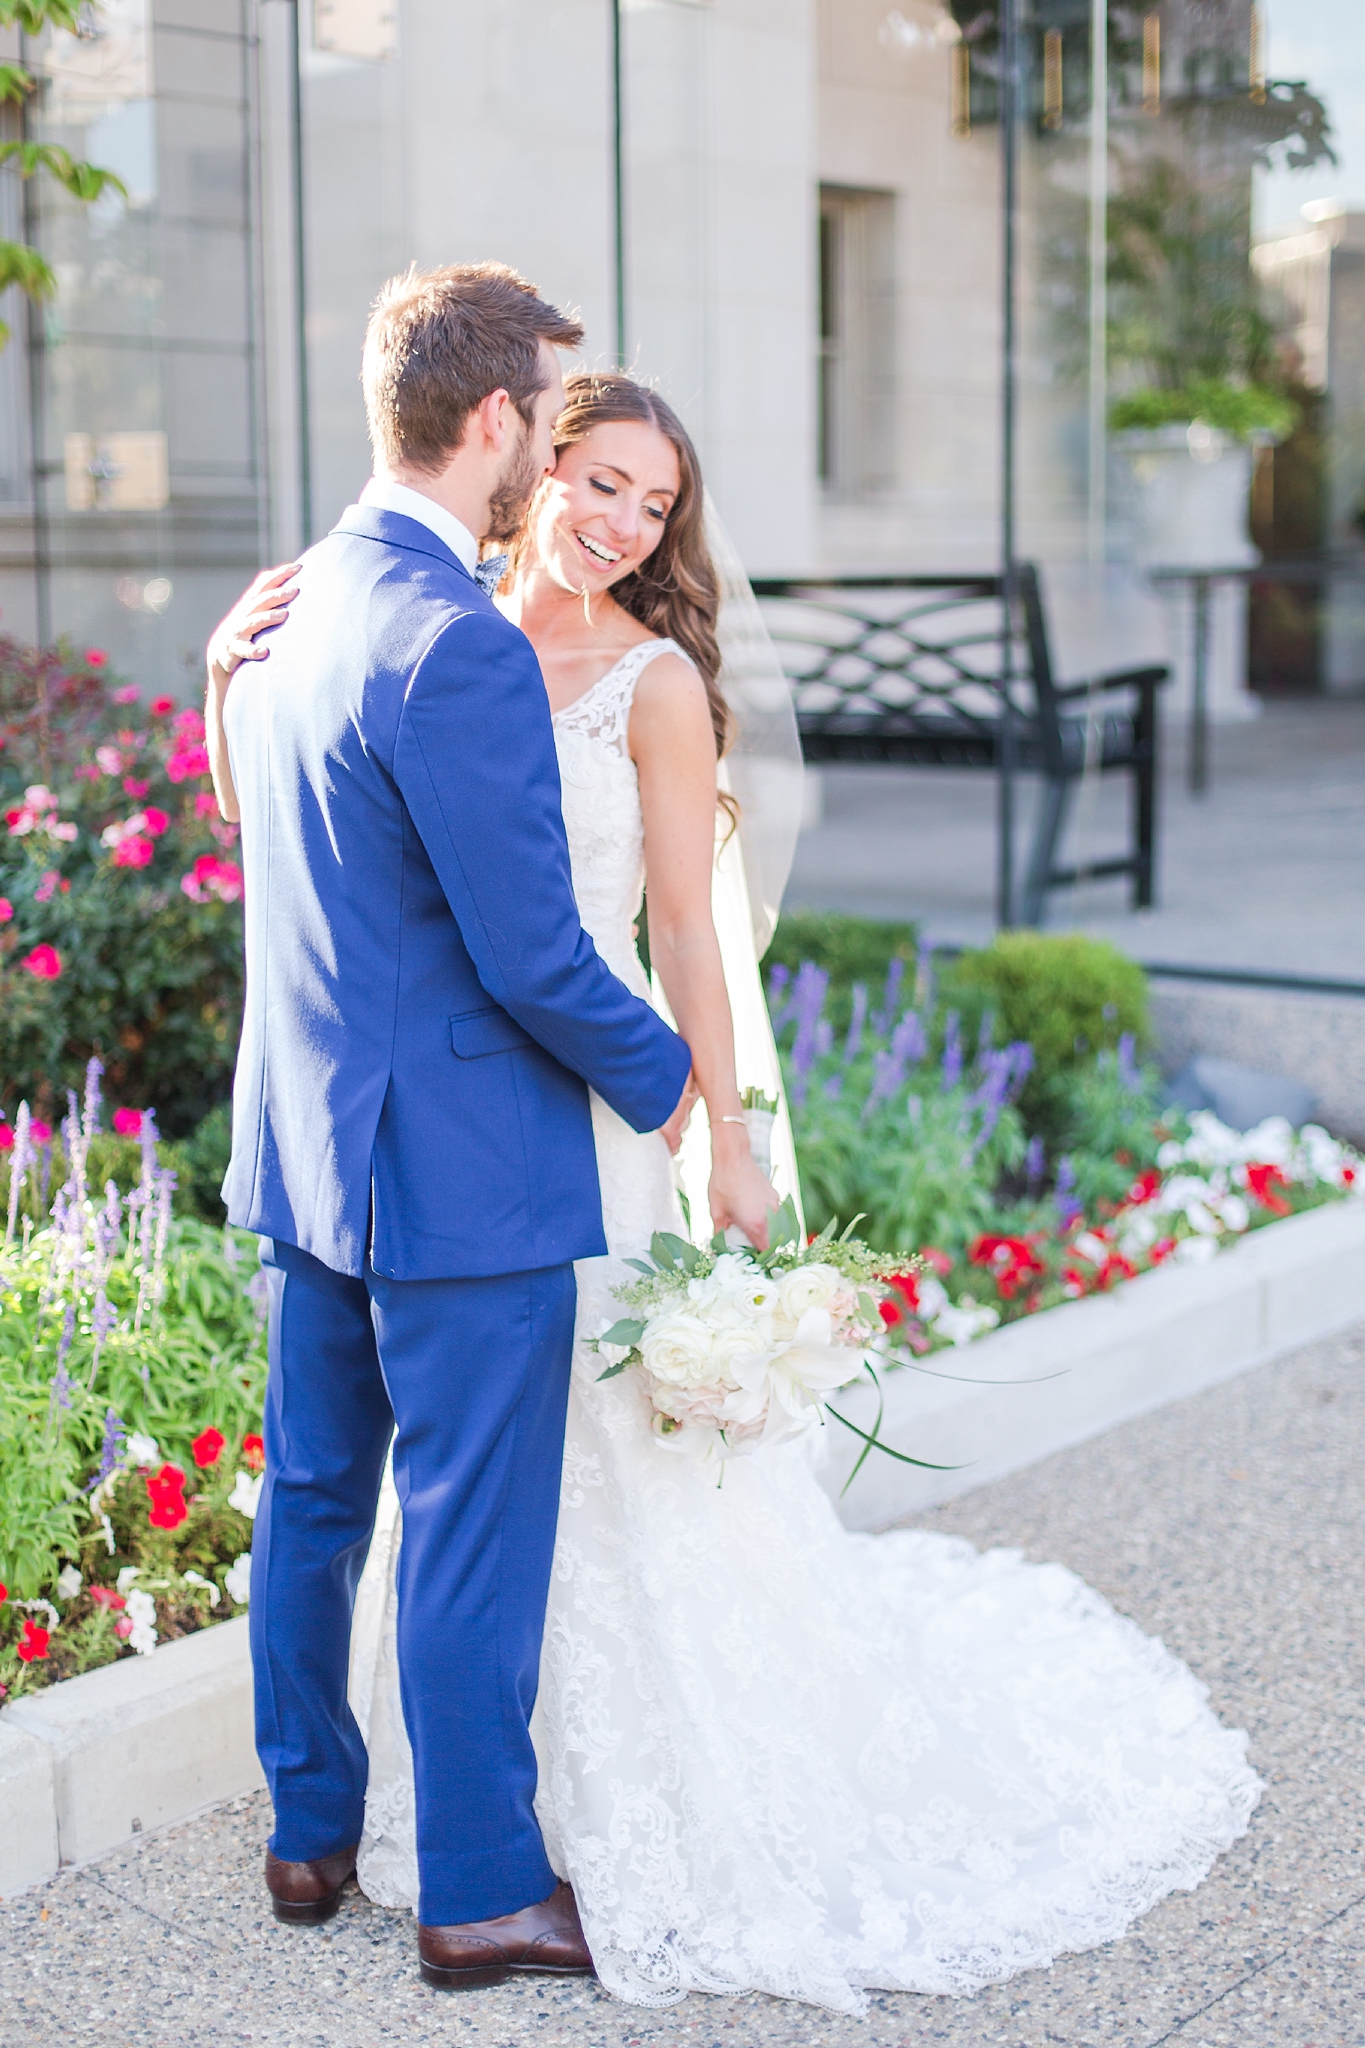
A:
[439,341]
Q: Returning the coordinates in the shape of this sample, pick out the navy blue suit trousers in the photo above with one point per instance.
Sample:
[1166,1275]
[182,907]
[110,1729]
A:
[474,1373]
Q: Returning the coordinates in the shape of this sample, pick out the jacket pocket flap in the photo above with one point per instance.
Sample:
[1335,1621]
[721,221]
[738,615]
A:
[479,1032]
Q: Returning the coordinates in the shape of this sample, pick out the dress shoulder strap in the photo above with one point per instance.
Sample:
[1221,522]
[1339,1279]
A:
[603,712]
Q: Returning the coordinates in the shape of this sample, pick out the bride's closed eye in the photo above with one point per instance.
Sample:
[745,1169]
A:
[598,483]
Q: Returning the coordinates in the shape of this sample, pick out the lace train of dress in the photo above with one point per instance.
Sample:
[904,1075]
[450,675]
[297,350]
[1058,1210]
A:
[774,1755]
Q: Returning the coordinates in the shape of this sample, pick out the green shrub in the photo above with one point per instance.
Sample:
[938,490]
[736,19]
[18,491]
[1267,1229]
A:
[847,948]
[1241,410]
[1068,996]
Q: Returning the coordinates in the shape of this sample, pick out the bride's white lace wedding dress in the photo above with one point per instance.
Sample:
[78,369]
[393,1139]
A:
[774,1755]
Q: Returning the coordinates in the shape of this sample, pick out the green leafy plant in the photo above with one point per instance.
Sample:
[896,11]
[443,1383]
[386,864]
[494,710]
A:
[20,264]
[1244,411]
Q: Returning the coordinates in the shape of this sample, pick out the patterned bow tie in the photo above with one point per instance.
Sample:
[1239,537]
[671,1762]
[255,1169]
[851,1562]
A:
[488,575]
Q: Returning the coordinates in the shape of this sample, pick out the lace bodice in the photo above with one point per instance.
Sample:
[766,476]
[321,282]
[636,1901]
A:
[601,797]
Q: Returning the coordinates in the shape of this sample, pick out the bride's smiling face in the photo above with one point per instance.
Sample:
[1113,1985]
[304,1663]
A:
[604,509]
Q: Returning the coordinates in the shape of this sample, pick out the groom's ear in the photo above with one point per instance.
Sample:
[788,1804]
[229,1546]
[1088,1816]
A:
[491,421]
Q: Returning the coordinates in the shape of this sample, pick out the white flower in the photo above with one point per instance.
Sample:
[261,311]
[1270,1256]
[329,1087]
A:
[198,1579]
[1196,1251]
[1233,1212]
[107,1531]
[933,1299]
[246,1494]
[965,1322]
[237,1579]
[676,1349]
[127,1575]
[69,1582]
[141,1612]
[141,1450]
[808,1287]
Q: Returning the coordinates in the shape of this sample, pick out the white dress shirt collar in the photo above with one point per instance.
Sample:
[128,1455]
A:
[386,496]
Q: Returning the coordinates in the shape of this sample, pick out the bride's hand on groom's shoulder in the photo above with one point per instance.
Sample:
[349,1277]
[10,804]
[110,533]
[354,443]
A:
[265,603]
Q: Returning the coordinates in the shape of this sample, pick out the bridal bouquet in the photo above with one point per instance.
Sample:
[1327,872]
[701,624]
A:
[740,1348]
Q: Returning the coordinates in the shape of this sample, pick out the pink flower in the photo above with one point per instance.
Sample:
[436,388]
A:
[95,657]
[225,834]
[187,761]
[129,694]
[205,804]
[190,724]
[155,822]
[162,707]
[45,962]
[47,888]
[105,1596]
[128,1122]
[211,876]
[87,772]
[133,785]
[39,1131]
[6,910]
[6,1141]
[110,760]
[133,852]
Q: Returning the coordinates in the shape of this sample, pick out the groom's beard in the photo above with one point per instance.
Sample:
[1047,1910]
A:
[513,492]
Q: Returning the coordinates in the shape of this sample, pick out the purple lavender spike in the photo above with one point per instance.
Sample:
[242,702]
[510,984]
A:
[1064,1195]
[924,977]
[1035,1159]
[985,1036]
[1130,1075]
[834,1087]
[808,1002]
[853,1042]
[908,1041]
[111,1450]
[895,975]
[1021,1052]
[952,1051]
[779,980]
[91,1119]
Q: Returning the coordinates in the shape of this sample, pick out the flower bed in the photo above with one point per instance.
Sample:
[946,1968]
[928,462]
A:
[132,1368]
[898,1121]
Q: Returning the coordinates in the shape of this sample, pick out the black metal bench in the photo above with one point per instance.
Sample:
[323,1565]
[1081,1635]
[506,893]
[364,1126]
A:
[919,669]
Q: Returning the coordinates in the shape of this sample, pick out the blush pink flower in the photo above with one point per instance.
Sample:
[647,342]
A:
[110,760]
[133,852]
[211,876]
[44,962]
[129,694]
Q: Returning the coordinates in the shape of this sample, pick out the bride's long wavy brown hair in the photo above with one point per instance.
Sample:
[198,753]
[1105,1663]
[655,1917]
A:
[674,592]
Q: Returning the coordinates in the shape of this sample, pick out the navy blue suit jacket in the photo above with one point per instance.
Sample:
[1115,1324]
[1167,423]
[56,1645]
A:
[423,1006]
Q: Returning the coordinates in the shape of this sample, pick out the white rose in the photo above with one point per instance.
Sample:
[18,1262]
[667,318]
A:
[808,1287]
[676,1349]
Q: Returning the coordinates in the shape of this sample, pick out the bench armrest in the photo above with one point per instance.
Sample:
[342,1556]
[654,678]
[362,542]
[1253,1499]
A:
[1119,679]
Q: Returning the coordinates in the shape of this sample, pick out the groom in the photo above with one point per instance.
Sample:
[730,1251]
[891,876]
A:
[411,1128]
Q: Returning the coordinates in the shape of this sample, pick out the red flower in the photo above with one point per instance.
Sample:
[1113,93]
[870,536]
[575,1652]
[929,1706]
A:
[123,1627]
[1263,1183]
[1012,1262]
[208,1447]
[156,822]
[128,1123]
[162,707]
[1145,1186]
[939,1262]
[39,1131]
[133,852]
[166,1491]
[95,657]
[133,785]
[34,1645]
[4,1592]
[1348,1173]
[105,1596]
[6,910]
[253,1450]
[44,961]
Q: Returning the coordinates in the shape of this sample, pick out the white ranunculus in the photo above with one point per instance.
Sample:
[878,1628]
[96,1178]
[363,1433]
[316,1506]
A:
[237,1579]
[808,1287]
[676,1349]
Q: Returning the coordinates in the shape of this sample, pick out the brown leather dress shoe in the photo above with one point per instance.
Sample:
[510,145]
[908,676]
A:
[545,1940]
[305,1894]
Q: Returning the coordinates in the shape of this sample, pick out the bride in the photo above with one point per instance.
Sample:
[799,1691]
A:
[773,1756]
